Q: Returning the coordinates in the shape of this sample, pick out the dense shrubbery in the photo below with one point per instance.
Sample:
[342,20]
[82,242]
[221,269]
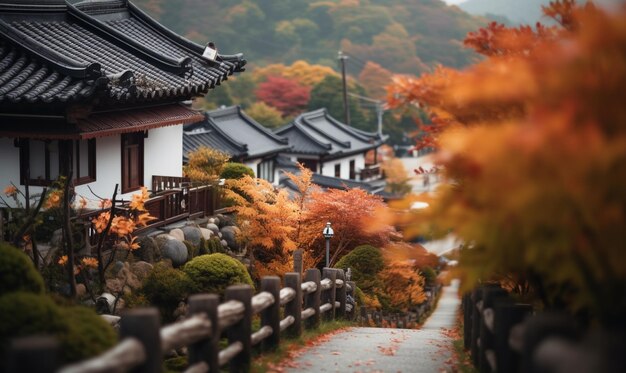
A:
[233,170]
[365,262]
[215,272]
[165,288]
[17,272]
[81,332]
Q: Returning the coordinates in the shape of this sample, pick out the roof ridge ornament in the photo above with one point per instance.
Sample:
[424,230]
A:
[210,52]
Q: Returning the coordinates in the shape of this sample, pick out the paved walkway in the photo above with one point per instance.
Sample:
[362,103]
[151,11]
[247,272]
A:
[387,350]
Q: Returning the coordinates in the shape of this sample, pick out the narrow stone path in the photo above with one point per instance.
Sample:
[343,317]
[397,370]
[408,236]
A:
[387,350]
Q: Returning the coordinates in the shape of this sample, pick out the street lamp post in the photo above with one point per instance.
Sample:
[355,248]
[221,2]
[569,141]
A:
[328,234]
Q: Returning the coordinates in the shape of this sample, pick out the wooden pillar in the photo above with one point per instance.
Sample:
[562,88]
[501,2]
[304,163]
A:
[241,331]
[208,349]
[144,324]
[490,294]
[341,294]
[330,295]
[294,308]
[477,296]
[271,315]
[312,300]
[297,261]
[33,354]
[467,320]
[507,315]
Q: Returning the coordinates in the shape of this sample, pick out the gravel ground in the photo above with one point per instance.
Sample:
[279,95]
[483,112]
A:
[387,350]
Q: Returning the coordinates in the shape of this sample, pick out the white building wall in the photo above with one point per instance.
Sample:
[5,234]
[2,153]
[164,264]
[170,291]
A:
[253,164]
[163,155]
[328,169]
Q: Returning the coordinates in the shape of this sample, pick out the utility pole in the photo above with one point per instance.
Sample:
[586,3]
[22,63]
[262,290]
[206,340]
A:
[346,109]
[380,109]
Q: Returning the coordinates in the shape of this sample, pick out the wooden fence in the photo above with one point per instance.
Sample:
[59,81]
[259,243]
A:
[143,342]
[504,336]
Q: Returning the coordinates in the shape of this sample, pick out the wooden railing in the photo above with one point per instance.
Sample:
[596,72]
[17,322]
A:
[370,172]
[143,342]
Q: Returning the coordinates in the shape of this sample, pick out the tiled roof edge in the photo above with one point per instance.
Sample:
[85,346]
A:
[261,128]
[178,67]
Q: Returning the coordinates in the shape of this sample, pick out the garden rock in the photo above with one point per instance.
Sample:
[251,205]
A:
[141,269]
[178,234]
[229,234]
[193,235]
[176,251]
[206,233]
[225,221]
[214,220]
[81,290]
[148,250]
[57,238]
[213,228]
[161,240]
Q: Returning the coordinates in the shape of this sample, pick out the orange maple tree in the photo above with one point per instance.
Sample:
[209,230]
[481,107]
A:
[533,147]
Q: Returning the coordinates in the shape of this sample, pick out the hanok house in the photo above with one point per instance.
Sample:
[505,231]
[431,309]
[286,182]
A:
[95,88]
[331,148]
[245,140]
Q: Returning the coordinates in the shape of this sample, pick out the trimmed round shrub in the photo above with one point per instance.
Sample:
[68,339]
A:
[234,170]
[192,251]
[81,332]
[215,272]
[88,334]
[366,262]
[165,288]
[17,272]
[214,245]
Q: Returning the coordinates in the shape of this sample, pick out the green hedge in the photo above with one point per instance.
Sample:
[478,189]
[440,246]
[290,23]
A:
[366,262]
[215,272]
[17,272]
[165,288]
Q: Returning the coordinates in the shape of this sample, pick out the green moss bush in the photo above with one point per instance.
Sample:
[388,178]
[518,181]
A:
[17,272]
[192,251]
[81,332]
[215,272]
[165,288]
[366,262]
[214,245]
[234,170]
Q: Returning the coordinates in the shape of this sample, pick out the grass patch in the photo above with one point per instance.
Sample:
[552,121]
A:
[461,356]
[289,348]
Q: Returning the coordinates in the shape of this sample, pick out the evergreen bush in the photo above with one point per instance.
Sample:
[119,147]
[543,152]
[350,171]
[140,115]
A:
[234,170]
[365,262]
[215,272]
[17,272]
[165,288]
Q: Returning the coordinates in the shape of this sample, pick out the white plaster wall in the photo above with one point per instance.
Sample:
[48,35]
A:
[328,169]
[163,153]
[108,170]
[253,164]
[10,167]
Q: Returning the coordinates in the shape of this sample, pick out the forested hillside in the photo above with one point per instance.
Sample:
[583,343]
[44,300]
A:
[404,36]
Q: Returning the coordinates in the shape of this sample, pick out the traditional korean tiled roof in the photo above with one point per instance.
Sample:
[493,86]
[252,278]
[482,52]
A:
[235,133]
[317,133]
[104,51]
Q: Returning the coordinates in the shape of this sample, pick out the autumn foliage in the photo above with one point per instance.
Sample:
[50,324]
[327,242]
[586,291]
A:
[533,144]
[286,95]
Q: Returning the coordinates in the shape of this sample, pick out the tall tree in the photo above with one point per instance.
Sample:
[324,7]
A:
[284,94]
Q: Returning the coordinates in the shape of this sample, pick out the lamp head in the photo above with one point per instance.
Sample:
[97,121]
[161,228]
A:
[328,231]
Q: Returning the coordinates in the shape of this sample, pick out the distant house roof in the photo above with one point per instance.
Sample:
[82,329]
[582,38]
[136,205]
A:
[317,133]
[107,52]
[232,131]
[326,182]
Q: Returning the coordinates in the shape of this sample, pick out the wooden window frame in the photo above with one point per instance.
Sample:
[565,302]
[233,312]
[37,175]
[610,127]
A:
[338,170]
[139,138]
[353,170]
[64,145]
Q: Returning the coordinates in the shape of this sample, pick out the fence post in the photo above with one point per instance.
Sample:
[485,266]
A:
[241,331]
[352,294]
[33,354]
[341,294]
[330,294]
[297,261]
[507,315]
[271,315]
[144,324]
[476,305]
[467,320]
[206,350]
[490,294]
[294,308]
[312,300]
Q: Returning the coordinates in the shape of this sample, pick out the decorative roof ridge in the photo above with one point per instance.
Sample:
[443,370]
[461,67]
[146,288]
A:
[345,128]
[30,6]
[305,121]
[209,122]
[264,130]
[59,62]
[194,48]
[179,67]
[297,125]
